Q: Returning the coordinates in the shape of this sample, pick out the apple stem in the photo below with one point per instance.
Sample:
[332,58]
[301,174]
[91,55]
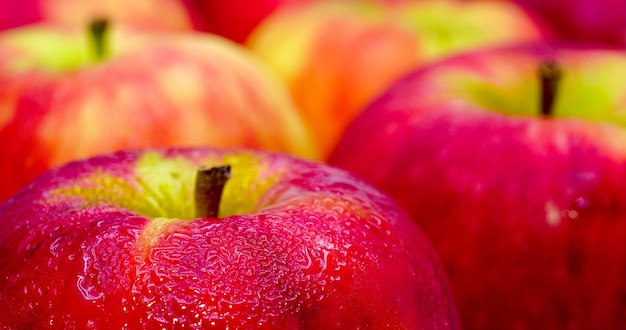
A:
[210,183]
[550,73]
[97,30]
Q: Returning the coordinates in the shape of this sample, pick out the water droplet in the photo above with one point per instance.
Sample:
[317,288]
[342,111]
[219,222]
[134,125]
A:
[553,214]
[55,247]
[89,291]
[581,202]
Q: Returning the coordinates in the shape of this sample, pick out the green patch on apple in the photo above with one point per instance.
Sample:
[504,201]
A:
[164,188]
[450,27]
[45,48]
[590,99]
[508,93]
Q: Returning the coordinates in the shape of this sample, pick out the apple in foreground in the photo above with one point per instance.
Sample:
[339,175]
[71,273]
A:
[516,177]
[338,56]
[169,15]
[67,94]
[154,238]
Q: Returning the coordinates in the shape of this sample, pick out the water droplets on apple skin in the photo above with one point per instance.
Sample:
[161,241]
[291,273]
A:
[261,268]
[248,269]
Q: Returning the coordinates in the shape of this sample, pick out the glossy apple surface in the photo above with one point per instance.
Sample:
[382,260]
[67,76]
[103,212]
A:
[527,212]
[169,15]
[337,56]
[61,101]
[115,241]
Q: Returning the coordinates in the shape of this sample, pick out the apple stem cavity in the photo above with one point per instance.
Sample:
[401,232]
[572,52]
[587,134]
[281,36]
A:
[550,73]
[98,29]
[210,184]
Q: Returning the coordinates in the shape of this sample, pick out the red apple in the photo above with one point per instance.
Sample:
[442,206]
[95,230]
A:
[14,13]
[144,239]
[65,96]
[233,19]
[519,187]
[338,56]
[236,19]
[584,21]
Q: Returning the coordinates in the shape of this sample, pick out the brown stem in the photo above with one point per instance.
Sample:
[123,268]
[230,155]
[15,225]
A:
[550,73]
[98,29]
[209,186]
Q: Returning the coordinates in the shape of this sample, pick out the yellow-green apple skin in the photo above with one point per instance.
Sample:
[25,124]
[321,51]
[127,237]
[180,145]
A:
[527,211]
[168,15]
[115,241]
[59,101]
[337,56]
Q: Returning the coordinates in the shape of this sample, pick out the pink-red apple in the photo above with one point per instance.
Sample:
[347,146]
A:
[513,162]
[236,19]
[600,22]
[146,239]
[337,56]
[67,94]
[233,19]
[168,15]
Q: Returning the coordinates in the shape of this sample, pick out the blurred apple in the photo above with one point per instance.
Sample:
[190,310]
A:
[154,239]
[151,14]
[67,94]
[513,162]
[600,22]
[337,56]
[233,19]
[236,19]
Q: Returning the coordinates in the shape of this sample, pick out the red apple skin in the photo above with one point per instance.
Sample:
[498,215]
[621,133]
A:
[236,19]
[527,215]
[318,249]
[600,22]
[232,19]
[14,14]
[167,90]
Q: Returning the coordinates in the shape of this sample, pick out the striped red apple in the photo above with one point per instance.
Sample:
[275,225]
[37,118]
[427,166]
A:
[67,94]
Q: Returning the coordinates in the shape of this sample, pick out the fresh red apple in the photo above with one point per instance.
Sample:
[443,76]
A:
[163,238]
[233,19]
[513,162]
[168,15]
[16,13]
[584,21]
[67,94]
[236,19]
[338,56]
